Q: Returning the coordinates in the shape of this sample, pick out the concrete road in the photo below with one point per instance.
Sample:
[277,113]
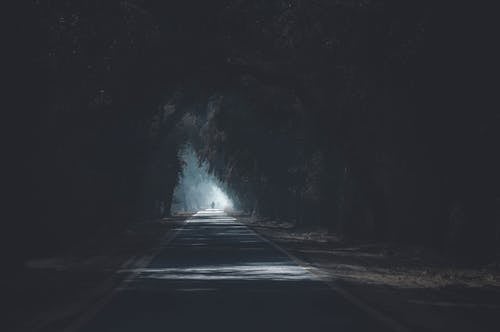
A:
[218,275]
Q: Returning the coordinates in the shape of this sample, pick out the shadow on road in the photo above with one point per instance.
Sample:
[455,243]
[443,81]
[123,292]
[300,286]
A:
[218,275]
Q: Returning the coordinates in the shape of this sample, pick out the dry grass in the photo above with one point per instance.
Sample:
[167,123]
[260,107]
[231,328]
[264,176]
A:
[375,263]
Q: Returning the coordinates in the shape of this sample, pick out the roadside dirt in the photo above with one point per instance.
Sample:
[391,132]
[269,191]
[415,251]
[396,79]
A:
[417,287]
[50,292]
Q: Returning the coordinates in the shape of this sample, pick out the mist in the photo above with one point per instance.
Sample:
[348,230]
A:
[197,187]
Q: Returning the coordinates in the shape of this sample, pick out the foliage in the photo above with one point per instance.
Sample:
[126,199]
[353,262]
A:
[344,113]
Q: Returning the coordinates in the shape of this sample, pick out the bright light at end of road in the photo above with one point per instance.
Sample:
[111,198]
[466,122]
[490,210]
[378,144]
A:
[220,199]
[197,188]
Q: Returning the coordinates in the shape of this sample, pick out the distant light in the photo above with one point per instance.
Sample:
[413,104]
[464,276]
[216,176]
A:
[221,200]
[197,188]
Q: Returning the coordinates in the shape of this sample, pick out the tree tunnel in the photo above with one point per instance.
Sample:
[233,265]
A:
[342,114]
[251,165]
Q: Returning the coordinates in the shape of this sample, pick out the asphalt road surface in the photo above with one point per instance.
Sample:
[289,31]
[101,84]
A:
[217,275]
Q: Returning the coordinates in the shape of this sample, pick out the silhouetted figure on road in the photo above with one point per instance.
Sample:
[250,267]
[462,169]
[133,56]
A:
[162,209]
[213,205]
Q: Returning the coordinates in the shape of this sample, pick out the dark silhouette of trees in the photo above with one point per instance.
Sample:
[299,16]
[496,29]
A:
[353,115]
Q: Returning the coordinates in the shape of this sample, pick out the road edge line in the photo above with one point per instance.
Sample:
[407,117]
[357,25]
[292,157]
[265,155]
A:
[137,263]
[348,296]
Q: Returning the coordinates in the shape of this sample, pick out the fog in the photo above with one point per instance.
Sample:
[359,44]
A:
[197,188]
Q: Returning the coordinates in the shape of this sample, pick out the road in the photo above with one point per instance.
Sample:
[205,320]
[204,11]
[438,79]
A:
[216,274]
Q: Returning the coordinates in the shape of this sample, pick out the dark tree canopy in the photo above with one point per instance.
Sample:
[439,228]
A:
[362,116]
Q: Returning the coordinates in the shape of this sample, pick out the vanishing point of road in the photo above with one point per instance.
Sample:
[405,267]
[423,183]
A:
[216,274]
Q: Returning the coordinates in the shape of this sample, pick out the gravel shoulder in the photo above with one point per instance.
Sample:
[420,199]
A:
[417,287]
